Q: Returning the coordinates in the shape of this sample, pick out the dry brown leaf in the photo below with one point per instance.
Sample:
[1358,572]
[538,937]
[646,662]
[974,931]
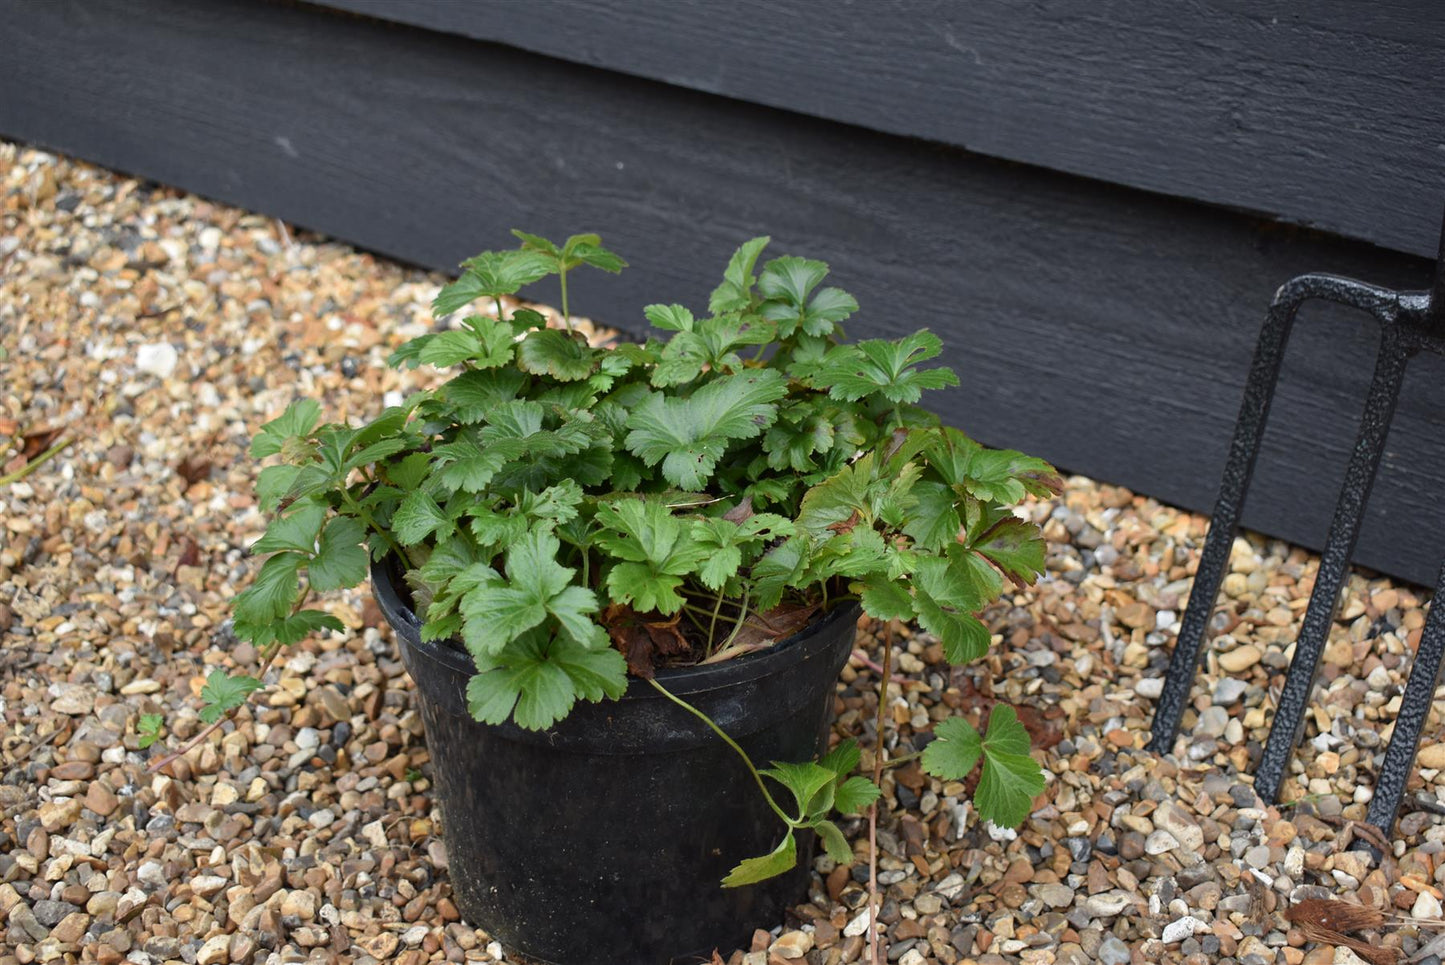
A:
[36,441]
[642,640]
[193,469]
[761,630]
[1326,920]
[740,513]
[1340,916]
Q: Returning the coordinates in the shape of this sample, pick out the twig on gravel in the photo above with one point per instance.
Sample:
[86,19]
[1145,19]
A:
[270,658]
[880,751]
[35,463]
[860,657]
[174,756]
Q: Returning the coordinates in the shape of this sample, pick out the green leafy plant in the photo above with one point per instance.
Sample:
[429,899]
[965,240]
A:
[149,729]
[571,514]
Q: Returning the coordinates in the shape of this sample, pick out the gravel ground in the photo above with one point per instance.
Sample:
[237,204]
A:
[153,331]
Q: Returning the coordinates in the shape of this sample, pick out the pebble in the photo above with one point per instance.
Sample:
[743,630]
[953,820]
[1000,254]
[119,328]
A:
[1181,928]
[1257,856]
[158,359]
[1432,755]
[1228,690]
[1426,906]
[1056,895]
[1240,659]
[1149,687]
[1112,951]
[793,944]
[1108,904]
[215,951]
[1212,721]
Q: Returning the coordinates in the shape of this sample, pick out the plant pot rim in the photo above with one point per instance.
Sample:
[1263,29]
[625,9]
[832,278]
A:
[695,679]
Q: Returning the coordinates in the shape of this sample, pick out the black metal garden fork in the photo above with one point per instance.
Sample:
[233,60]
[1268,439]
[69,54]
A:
[1410,323]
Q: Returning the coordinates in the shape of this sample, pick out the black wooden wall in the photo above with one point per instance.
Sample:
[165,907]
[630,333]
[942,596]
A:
[1092,202]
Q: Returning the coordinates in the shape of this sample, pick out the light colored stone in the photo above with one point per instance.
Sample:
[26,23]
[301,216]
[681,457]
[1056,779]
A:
[301,903]
[375,833]
[1159,842]
[381,946]
[1432,756]
[1108,904]
[792,944]
[1228,690]
[158,359]
[1056,895]
[71,929]
[1149,687]
[215,951]
[72,699]
[208,885]
[1240,659]
[1212,721]
[1113,951]
[1181,928]
[57,815]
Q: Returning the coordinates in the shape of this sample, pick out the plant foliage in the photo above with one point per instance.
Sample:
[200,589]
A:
[567,511]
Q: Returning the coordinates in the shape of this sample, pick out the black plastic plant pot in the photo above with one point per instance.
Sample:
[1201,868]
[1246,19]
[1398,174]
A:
[603,840]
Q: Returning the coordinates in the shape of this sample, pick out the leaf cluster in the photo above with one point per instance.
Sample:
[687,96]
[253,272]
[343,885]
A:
[549,497]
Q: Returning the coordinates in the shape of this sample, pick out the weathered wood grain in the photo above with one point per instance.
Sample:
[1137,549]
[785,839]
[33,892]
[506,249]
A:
[1106,329]
[1324,113]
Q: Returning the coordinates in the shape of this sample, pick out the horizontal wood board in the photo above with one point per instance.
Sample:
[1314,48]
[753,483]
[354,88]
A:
[1106,329]
[1324,113]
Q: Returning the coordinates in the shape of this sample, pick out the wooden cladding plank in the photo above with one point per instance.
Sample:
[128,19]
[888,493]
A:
[1324,114]
[1106,329]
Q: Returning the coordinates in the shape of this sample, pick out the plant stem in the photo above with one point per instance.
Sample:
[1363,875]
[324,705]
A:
[566,315]
[903,759]
[880,752]
[737,627]
[863,658]
[269,653]
[498,300]
[186,748]
[365,516]
[693,618]
[35,463]
[712,626]
[730,742]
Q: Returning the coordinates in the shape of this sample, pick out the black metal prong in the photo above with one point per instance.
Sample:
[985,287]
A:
[1399,760]
[1243,450]
[1334,565]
